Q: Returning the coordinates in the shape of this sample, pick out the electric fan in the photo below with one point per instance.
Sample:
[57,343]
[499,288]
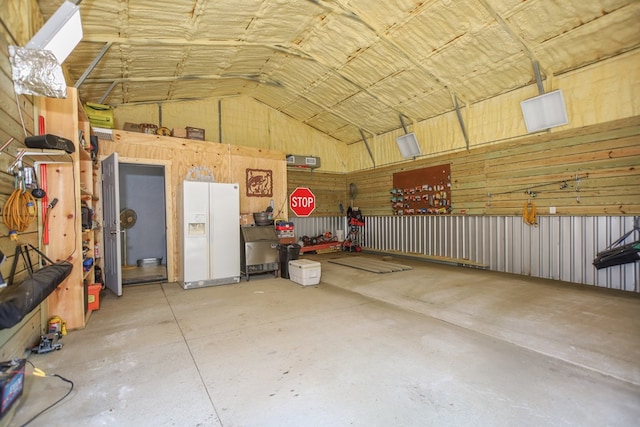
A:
[128,218]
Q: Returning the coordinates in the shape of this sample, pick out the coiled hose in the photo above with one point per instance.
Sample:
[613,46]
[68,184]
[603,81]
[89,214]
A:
[19,211]
[529,213]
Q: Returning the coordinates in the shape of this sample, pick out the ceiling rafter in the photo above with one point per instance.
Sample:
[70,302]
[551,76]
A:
[159,79]
[180,41]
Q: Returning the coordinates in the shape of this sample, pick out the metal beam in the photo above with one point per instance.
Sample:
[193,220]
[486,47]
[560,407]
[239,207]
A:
[104,97]
[93,64]
[109,38]
[536,71]
[460,119]
[402,123]
[366,143]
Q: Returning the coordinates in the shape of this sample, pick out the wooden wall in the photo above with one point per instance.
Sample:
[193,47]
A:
[593,170]
[228,164]
[16,17]
[241,121]
[330,190]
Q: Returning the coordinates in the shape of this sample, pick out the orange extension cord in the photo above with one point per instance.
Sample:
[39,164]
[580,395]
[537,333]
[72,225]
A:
[529,213]
[19,211]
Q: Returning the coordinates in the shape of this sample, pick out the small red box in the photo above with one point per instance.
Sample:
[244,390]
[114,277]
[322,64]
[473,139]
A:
[93,297]
[284,227]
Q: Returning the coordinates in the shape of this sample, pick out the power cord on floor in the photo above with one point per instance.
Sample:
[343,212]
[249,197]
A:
[40,373]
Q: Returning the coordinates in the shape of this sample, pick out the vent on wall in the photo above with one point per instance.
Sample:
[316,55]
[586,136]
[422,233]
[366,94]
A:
[303,161]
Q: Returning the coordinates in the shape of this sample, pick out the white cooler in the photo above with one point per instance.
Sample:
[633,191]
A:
[304,272]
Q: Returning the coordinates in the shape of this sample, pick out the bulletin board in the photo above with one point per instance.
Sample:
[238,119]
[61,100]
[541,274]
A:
[425,191]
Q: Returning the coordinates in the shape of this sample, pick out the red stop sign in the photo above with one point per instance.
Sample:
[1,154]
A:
[302,201]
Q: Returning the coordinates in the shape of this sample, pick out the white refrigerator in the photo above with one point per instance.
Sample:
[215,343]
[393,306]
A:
[211,234]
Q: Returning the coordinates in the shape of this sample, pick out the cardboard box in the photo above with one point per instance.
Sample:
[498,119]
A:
[304,272]
[179,132]
[93,297]
[195,133]
[246,219]
[286,240]
[131,127]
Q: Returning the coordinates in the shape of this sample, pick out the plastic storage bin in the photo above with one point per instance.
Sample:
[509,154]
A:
[305,272]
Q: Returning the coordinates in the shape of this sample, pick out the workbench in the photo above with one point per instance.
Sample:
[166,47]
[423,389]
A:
[323,247]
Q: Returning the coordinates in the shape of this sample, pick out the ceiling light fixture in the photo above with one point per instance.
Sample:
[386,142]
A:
[544,111]
[408,145]
[61,33]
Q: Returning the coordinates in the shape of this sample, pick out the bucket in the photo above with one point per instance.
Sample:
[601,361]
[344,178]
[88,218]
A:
[340,235]
[263,218]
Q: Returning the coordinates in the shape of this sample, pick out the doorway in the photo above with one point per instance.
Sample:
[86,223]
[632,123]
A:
[142,183]
[143,223]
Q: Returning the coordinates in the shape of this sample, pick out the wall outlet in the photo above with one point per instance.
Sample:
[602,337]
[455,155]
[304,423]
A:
[552,210]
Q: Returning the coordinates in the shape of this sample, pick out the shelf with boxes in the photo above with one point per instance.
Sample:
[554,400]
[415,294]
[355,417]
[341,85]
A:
[69,203]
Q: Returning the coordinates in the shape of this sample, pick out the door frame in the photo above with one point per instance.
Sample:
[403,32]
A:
[170,220]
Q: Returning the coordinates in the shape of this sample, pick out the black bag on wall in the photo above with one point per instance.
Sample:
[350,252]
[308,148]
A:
[16,301]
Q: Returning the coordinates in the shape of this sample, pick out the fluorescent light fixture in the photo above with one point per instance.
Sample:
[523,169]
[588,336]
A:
[61,33]
[544,111]
[408,145]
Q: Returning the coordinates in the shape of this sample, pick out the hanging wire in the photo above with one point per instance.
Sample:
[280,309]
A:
[24,127]
[527,190]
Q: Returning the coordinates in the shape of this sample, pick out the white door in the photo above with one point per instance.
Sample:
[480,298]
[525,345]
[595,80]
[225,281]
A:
[111,228]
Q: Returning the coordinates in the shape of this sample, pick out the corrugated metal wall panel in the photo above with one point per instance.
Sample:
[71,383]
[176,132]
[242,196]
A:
[559,247]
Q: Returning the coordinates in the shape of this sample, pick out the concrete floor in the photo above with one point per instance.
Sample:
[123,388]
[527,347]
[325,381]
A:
[434,346]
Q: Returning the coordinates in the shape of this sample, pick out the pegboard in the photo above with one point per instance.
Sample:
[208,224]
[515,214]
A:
[425,191]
